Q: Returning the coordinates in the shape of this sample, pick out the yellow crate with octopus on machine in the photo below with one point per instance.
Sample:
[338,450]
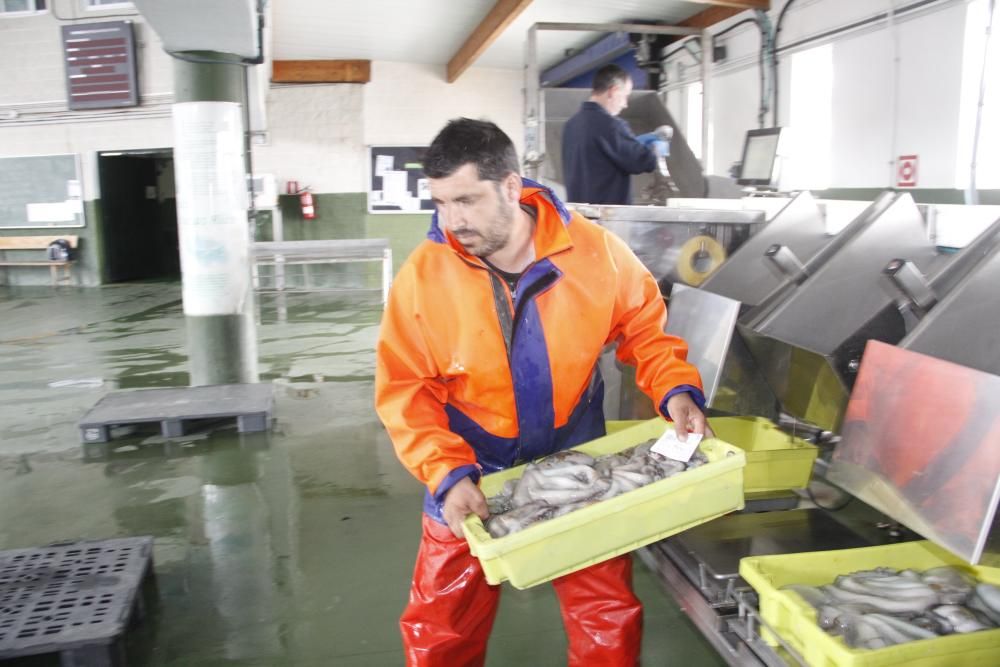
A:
[796,621]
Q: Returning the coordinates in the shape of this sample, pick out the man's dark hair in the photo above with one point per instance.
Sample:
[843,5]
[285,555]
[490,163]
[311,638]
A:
[464,141]
[608,76]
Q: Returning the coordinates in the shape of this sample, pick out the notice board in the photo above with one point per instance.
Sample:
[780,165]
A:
[39,191]
[396,181]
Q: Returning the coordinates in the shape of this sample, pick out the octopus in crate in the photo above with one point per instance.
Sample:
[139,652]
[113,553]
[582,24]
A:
[569,480]
[873,609]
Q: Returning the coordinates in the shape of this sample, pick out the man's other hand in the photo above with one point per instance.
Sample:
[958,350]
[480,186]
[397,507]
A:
[688,418]
[464,499]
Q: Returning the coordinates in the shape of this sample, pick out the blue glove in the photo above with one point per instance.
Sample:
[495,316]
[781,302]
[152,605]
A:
[648,138]
[655,143]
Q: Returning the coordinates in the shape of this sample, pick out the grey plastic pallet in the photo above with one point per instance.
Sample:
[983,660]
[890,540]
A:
[250,404]
[75,599]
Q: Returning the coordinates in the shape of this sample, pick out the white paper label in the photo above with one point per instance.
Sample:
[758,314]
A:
[383,163]
[50,212]
[668,445]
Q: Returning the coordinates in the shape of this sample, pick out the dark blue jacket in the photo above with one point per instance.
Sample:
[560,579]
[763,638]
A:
[599,154]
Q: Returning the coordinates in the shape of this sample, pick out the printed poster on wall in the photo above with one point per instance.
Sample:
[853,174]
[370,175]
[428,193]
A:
[211,207]
[396,181]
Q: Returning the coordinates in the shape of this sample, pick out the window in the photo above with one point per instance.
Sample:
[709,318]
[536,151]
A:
[693,118]
[987,157]
[810,140]
[21,6]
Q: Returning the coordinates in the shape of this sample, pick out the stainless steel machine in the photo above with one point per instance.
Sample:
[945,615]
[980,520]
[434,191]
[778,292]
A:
[679,246]
[919,440]
[761,273]
[948,366]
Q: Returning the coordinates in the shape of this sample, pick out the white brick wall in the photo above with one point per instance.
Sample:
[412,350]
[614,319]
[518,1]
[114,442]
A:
[409,103]
[319,134]
[315,137]
[32,57]
[31,53]
[86,139]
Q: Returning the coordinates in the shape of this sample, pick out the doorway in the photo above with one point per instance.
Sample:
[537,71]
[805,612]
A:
[139,213]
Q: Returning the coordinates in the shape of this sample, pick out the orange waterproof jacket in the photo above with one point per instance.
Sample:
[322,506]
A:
[470,378]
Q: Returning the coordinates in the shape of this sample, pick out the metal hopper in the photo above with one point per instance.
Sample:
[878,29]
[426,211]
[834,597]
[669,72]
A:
[765,269]
[809,345]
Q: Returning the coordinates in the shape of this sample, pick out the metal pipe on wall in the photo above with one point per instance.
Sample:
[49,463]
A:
[533,134]
[706,76]
[893,141]
[971,193]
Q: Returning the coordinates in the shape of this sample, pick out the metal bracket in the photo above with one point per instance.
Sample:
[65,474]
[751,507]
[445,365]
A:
[786,261]
[913,285]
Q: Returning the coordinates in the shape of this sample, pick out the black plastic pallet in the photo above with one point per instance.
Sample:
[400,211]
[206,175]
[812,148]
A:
[173,409]
[75,599]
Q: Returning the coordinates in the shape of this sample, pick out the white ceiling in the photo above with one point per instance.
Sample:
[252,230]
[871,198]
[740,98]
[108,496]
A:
[431,31]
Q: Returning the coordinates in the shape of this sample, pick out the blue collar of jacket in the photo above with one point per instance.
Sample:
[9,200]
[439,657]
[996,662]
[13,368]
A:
[594,106]
[436,234]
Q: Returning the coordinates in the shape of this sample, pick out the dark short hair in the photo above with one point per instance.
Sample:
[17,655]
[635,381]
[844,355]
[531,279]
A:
[608,76]
[479,142]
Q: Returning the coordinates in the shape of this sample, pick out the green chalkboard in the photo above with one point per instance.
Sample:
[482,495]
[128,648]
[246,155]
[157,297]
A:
[41,191]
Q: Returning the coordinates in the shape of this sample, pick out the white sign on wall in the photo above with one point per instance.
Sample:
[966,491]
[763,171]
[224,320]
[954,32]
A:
[211,207]
[906,171]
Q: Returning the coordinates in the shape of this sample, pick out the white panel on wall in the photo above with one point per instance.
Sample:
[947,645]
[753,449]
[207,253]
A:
[862,112]
[929,91]
[735,103]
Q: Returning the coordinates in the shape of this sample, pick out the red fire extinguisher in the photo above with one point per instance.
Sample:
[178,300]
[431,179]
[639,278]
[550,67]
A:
[306,202]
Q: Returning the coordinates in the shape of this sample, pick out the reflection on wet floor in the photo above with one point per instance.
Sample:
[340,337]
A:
[293,547]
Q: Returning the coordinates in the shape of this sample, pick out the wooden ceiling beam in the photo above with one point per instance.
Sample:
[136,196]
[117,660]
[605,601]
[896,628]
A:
[739,4]
[321,71]
[711,16]
[496,21]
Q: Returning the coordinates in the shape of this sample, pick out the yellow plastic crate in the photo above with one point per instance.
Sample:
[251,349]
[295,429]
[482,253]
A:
[775,460]
[613,426]
[553,548]
[795,621]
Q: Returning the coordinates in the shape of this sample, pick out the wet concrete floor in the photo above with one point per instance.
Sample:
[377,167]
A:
[288,548]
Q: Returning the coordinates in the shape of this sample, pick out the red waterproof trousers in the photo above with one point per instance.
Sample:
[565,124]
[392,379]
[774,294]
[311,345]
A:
[451,610]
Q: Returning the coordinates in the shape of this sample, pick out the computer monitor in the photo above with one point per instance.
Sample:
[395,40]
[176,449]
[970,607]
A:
[760,158]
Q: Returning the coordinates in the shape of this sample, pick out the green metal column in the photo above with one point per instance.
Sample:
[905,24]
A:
[222,348]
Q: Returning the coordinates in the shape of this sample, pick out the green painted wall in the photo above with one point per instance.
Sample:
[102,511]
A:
[338,216]
[344,216]
[86,270]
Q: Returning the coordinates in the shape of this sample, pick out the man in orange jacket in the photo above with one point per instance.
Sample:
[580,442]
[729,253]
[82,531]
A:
[487,358]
